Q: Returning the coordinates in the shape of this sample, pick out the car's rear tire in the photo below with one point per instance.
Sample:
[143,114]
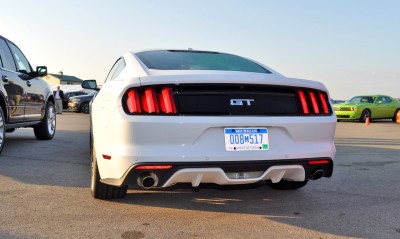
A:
[101,190]
[2,129]
[47,128]
[286,185]
[395,115]
[85,107]
[364,115]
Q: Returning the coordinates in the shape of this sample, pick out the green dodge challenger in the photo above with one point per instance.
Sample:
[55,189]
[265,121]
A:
[368,106]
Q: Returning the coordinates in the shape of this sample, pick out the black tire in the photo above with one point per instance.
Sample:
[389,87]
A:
[2,129]
[85,108]
[395,115]
[364,115]
[101,190]
[286,185]
[47,128]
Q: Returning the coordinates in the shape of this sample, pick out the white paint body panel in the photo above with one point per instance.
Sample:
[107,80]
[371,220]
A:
[132,139]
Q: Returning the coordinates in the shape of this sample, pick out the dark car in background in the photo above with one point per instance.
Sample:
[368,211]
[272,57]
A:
[70,94]
[26,100]
[80,103]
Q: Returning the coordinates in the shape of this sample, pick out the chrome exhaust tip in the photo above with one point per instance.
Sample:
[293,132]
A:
[317,174]
[147,180]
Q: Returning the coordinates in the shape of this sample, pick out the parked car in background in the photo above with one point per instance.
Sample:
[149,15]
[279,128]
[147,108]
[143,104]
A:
[181,116]
[26,100]
[70,94]
[80,103]
[368,106]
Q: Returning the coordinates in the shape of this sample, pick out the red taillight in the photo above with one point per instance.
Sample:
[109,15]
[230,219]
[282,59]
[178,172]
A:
[303,102]
[133,102]
[313,102]
[324,104]
[167,102]
[150,100]
[313,162]
[108,157]
[153,167]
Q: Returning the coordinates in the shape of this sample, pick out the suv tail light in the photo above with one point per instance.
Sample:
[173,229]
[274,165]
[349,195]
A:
[313,102]
[149,100]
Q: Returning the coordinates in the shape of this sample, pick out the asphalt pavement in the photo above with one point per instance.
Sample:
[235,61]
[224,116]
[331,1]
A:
[45,193]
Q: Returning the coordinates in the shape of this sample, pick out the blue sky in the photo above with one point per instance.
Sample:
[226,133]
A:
[352,46]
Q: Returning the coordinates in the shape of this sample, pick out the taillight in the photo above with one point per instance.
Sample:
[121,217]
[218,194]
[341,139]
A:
[133,102]
[303,102]
[167,102]
[324,103]
[150,100]
[313,102]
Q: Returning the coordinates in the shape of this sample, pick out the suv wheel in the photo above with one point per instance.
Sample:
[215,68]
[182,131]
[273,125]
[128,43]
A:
[47,128]
[287,185]
[2,129]
[101,190]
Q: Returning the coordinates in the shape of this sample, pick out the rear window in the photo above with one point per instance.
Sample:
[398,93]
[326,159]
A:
[197,60]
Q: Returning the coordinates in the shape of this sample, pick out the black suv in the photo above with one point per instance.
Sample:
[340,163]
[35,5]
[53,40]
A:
[26,100]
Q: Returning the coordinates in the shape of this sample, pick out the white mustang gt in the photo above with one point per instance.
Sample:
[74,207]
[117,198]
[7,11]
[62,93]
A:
[164,117]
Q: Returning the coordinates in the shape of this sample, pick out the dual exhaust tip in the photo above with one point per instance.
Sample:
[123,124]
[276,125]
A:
[150,180]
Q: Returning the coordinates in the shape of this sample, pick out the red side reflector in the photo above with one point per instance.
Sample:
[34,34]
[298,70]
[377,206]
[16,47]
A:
[167,103]
[133,102]
[108,157]
[313,162]
[324,104]
[303,102]
[153,167]
[314,102]
[149,101]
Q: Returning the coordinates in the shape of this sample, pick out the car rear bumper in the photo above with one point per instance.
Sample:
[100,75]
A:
[225,173]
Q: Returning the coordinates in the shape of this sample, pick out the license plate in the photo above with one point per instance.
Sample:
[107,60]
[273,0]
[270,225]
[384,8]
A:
[246,139]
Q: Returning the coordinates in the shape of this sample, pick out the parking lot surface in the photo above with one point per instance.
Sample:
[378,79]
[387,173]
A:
[45,193]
